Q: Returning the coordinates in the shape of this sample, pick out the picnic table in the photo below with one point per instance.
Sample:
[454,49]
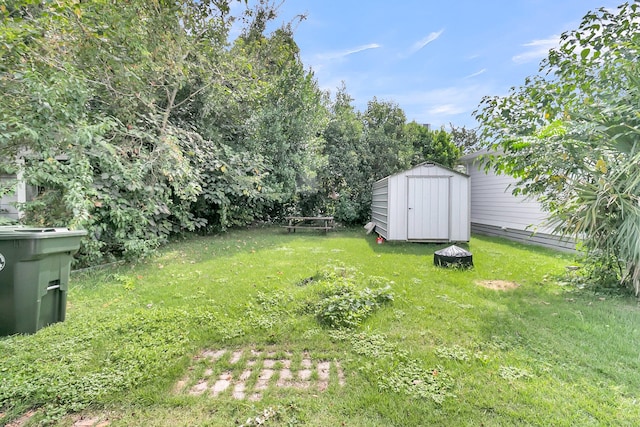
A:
[324,223]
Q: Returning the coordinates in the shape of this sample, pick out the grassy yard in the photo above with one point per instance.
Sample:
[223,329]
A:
[156,344]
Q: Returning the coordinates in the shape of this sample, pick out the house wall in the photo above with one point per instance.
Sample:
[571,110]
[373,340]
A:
[7,203]
[495,211]
[397,202]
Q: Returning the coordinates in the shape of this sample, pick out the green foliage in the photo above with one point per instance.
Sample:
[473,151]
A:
[512,373]
[571,137]
[433,146]
[394,371]
[467,140]
[453,353]
[143,121]
[362,148]
[343,306]
[413,380]
[344,180]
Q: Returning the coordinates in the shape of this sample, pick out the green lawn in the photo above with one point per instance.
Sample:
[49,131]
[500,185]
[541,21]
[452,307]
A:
[138,340]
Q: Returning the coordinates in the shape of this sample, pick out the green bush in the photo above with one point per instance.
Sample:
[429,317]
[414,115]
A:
[345,307]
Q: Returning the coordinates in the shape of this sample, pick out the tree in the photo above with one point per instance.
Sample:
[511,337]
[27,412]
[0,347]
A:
[572,137]
[286,126]
[343,178]
[387,150]
[108,107]
[434,146]
[466,139]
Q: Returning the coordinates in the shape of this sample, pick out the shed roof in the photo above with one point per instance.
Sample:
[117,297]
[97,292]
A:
[428,163]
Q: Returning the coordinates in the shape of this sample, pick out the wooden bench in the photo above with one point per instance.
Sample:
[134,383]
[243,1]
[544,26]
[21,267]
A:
[324,223]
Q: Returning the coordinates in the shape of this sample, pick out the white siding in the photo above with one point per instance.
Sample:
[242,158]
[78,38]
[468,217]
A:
[492,203]
[496,211]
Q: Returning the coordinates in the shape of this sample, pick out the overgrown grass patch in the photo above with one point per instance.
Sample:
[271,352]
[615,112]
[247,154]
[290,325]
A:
[417,344]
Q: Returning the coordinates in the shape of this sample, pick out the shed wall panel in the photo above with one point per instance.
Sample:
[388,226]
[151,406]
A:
[380,207]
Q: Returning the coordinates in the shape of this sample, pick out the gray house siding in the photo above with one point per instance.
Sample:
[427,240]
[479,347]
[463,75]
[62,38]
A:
[495,211]
[8,207]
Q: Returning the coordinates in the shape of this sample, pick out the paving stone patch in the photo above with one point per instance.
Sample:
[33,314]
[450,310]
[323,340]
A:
[248,373]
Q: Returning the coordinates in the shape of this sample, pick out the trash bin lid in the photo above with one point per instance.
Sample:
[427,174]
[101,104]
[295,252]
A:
[453,251]
[19,233]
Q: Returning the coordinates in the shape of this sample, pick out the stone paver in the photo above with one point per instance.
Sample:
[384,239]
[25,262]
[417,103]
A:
[255,371]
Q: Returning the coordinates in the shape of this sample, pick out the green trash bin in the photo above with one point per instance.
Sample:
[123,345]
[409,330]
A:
[34,276]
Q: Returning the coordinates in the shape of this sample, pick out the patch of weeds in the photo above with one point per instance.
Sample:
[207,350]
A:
[128,283]
[454,302]
[377,281]
[310,333]
[226,327]
[497,343]
[481,357]
[399,314]
[331,272]
[281,415]
[512,373]
[394,370]
[344,307]
[411,379]
[268,309]
[375,346]
[261,419]
[453,353]
[305,281]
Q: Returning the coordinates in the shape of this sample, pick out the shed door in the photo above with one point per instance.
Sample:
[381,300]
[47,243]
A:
[428,208]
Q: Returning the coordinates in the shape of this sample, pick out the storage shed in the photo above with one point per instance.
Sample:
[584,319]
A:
[428,203]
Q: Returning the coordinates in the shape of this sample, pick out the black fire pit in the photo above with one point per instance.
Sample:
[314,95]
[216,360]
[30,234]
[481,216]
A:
[453,256]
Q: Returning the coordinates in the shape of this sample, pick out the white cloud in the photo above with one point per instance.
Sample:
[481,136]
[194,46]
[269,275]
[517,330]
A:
[422,43]
[346,52]
[425,41]
[444,105]
[477,73]
[537,49]
[446,110]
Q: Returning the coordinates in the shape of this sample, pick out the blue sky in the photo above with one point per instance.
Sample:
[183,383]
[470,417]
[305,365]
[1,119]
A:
[435,59]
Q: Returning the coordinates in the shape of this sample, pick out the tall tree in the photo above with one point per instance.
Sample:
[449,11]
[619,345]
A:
[387,150]
[344,179]
[435,146]
[572,137]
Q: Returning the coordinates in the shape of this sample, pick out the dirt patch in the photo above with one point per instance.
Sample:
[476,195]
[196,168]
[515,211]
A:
[22,420]
[91,422]
[497,285]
